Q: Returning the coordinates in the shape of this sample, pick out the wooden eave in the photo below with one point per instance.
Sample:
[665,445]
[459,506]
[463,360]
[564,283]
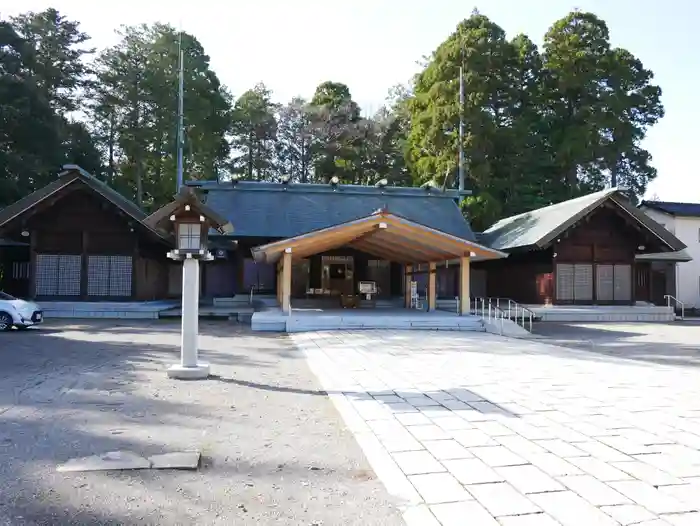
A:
[55,190]
[636,218]
[381,234]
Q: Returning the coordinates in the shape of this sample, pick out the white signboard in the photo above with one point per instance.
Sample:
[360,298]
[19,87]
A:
[367,287]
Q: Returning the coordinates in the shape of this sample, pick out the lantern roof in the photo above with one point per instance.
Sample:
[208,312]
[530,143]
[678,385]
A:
[186,197]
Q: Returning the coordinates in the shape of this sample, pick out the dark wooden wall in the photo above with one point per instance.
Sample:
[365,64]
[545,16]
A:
[604,237]
[82,222]
[523,277]
[607,236]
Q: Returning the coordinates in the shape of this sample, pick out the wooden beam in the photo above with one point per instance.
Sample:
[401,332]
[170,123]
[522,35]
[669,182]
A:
[432,237]
[395,236]
[388,250]
[381,252]
[432,286]
[464,298]
[286,281]
[316,245]
[408,271]
[408,248]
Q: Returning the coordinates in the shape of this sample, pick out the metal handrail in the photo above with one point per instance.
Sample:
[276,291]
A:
[513,307]
[489,311]
[250,299]
[512,311]
[668,299]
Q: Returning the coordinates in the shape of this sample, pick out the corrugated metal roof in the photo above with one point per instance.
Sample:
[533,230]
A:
[276,210]
[673,208]
[538,227]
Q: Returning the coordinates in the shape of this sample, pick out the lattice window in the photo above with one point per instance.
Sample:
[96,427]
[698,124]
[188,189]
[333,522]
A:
[565,282]
[583,282]
[20,270]
[109,276]
[623,282]
[58,275]
[189,235]
[98,276]
[605,283]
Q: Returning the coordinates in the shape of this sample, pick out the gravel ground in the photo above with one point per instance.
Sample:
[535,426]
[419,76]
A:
[275,450]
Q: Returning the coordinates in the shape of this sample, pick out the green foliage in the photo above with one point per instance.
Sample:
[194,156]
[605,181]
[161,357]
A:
[539,128]
[41,73]
[541,125]
[254,134]
[133,111]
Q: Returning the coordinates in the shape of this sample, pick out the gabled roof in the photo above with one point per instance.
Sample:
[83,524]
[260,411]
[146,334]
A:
[382,234]
[674,209]
[538,228]
[69,175]
[277,210]
[187,196]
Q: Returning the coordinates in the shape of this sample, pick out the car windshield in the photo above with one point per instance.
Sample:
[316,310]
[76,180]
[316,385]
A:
[6,297]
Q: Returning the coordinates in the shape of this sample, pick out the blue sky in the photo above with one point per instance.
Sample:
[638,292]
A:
[372,45]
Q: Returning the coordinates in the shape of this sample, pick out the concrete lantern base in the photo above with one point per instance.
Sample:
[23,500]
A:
[196,372]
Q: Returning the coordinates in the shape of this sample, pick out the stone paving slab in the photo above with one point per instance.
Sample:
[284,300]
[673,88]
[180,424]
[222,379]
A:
[481,430]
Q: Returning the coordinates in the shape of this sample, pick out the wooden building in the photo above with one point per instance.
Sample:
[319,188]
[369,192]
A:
[83,241]
[266,215]
[595,249]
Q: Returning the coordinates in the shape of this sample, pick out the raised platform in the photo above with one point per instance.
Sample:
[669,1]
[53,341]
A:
[144,310]
[300,320]
[616,313]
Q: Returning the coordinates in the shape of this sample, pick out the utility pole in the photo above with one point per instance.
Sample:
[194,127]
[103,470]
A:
[461,126]
[180,115]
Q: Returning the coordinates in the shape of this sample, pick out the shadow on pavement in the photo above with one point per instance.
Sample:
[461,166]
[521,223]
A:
[660,343]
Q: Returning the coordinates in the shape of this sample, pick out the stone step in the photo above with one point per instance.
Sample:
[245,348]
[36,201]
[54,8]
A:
[239,300]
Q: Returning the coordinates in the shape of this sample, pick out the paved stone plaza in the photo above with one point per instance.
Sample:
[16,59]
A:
[478,430]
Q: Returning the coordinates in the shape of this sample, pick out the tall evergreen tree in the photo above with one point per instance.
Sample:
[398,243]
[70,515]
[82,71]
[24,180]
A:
[134,112]
[254,134]
[294,141]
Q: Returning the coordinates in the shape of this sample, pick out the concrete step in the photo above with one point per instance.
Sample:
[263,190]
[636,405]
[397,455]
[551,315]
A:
[240,300]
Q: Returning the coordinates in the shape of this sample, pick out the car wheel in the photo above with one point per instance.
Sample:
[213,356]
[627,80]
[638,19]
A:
[5,321]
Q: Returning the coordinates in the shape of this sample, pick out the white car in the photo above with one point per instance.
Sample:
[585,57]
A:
[18,313]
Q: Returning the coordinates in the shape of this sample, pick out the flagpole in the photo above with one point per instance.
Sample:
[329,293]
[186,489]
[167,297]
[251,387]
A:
[461,129]
[180,115]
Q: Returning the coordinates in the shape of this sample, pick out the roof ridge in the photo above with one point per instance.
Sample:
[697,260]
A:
[573,200]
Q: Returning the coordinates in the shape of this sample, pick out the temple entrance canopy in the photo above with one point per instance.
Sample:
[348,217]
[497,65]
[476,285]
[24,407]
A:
[384,235]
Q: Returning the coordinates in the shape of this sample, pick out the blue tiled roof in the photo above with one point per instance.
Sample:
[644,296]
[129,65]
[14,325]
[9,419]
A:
[276,210]
[676,209]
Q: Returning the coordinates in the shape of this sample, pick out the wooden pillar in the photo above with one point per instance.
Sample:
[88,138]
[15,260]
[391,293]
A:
[32,264]
[432,287]
[286,281]
[408,276]
[84,265]
[278,282]
[464,300]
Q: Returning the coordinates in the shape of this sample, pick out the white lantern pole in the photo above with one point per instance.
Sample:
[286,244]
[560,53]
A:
[189,367]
